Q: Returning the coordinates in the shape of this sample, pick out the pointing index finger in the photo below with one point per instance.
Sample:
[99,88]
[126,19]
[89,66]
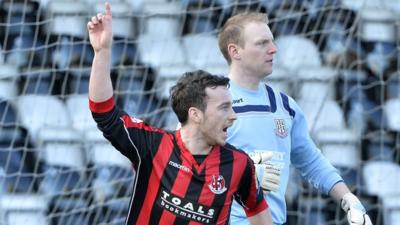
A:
[108,9]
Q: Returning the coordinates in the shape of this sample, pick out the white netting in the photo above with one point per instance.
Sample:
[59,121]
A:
[338,59]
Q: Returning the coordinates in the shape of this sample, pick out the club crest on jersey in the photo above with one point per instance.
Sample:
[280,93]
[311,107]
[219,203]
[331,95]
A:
[280,128]
[217,184]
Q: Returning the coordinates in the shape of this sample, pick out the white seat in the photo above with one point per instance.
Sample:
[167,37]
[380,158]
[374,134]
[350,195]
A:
[202,51]
[281,79]
[329,115]
[297,52]
[46,118]
[23,209]
[112,170]
[106,154]
[316,83]
[340,147]
[161,19]
[160,50]
[377,24]
[81,117]
[391,210]
[8,89]
[67,17]
[8,71]
[391,111]
[382,178]
[167,57]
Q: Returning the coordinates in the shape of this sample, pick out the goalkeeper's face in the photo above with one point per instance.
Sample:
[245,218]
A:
[258,49]
[218,116]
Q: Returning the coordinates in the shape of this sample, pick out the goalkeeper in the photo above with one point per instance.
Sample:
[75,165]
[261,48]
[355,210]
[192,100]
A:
[271,124]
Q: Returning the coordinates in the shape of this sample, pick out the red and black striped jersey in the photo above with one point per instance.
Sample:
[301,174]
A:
[170,186]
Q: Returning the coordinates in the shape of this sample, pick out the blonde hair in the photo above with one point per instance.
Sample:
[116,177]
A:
[232,31]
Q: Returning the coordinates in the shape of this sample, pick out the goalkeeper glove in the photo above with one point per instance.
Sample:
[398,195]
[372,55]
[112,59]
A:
[267,173]
[356,214]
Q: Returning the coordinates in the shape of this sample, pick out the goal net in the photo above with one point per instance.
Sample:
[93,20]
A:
[338,59]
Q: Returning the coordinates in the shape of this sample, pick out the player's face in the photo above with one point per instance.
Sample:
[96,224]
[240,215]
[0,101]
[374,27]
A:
[218,115]
[258,50]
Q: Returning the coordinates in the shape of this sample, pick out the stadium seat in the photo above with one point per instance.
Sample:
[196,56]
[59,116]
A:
[391,110]
[78,80]
[391,210]
[329,115]
[69,52]
[123,52]
[158,51]
[350,91]
[8,76]
[161,19]
[380,146]
[202,18]
[36,81]
[67,17]
[393,85]
[64,182]
[46,118]
[19,209]
[316,80]
[81,117]
[202,52]
[296,52]
[379,59]
[341,148]
[381,178]
[16,161]
[112,183]
[20,18]
[377,24]
[281,79]
[27,50]
[167,57]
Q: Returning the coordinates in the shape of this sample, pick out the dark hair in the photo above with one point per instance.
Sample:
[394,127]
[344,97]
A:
[190,91]
[232,31]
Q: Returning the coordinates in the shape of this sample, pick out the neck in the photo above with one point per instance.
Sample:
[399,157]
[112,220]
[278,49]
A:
[194,141]
[244,78]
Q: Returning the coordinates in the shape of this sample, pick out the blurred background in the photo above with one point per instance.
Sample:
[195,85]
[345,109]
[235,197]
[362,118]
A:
[339,59]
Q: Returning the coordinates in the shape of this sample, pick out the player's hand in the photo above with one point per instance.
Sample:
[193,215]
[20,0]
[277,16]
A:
[100,30]
[268,174]
[356,214]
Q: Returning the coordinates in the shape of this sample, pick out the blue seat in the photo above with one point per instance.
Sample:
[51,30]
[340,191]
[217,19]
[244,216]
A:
[17,162]
[37,82]
[112,183]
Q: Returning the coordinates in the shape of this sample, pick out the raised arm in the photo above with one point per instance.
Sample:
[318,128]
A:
[100,35]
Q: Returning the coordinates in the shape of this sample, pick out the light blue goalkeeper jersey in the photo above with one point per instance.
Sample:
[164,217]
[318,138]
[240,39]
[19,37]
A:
[271,121]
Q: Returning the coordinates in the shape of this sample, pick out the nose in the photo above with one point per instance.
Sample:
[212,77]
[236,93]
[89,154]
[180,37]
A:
[272,49]
[232,115]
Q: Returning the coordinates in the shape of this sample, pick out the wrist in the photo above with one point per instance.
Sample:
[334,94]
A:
[102,51]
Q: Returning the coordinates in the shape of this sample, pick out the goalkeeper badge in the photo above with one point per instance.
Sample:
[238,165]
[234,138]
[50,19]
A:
[280,128]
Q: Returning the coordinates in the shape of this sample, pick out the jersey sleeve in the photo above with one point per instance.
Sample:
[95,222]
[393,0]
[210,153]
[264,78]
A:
[307,158]
[132,137]
[250,195]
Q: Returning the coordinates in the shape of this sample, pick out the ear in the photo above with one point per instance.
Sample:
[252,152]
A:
[195,114]
[233,51]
